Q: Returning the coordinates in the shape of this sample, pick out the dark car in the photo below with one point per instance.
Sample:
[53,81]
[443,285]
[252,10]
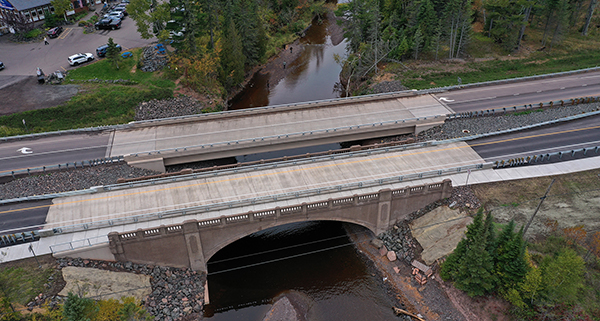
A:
[108,23]
[101,51]
[54,32]
[1,65]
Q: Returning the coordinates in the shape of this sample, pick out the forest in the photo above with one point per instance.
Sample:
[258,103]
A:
[219,41]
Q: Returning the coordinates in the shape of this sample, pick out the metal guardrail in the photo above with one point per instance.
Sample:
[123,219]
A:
[284,136]
[422,91]
[18,238]
[171,179]
[538,158]
[78,244]
[259,200]
[66,166]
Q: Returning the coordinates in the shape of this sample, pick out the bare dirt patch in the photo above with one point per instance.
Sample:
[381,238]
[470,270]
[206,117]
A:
[27,94]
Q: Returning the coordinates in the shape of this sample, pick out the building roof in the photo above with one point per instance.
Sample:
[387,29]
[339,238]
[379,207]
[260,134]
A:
[28,4]
[4,4]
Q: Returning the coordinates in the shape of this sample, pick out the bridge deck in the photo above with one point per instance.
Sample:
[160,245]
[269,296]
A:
[243,125]
[257,183]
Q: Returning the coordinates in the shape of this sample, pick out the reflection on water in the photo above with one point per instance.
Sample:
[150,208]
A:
[313,77]
[314,259]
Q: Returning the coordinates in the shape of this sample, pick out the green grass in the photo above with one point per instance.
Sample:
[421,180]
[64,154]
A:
[97,103]
[22,284]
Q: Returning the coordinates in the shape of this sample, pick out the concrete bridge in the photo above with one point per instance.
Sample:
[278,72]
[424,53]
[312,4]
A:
[159,143]
[193,243]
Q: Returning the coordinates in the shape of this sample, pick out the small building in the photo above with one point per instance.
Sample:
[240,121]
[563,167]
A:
[34,10]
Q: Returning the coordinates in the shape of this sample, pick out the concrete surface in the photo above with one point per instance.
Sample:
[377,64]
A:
[439,239]
[102,284]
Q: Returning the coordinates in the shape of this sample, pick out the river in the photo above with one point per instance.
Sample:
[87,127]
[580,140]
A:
[315,261]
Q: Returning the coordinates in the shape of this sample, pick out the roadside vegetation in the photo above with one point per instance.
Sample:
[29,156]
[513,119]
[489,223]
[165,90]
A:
[554,279]
[429,43]
[100,100]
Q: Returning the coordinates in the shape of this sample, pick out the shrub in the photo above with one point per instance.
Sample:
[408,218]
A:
[32,34]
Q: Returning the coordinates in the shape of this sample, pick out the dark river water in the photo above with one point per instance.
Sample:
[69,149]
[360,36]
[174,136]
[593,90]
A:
[316,260]
[314,77]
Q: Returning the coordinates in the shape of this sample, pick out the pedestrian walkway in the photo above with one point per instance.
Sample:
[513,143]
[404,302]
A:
[42,246]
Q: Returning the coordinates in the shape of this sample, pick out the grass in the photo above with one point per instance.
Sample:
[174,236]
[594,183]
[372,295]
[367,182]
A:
[575,52]
[22,284]
[96,103]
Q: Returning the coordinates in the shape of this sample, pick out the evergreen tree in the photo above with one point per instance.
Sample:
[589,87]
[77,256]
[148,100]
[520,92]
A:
[79,309]
[475,273]
[232,57]
[254,38]
[112,53]
[511,265]
[451,266]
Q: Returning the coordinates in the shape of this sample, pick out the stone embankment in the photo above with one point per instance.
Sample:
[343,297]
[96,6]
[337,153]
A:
[177,294]
[399,237]
[173,107]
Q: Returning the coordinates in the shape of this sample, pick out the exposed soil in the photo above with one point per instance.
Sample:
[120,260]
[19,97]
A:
[26,94]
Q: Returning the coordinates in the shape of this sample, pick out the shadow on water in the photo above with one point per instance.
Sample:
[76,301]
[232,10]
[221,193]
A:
[313,76]
[315,260]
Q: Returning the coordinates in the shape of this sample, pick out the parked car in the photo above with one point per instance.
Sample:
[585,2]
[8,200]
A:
[115,14]
[101,51]
[121,10]
[1,65]
[54,32]
[80,58]
[108,23]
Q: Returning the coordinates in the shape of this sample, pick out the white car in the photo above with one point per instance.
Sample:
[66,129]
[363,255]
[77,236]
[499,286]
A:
[80,58]
[114,15]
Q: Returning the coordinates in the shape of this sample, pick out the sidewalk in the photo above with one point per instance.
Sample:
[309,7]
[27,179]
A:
[42,246]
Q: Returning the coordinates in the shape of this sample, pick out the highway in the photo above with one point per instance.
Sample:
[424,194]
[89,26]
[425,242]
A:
[70,148]
[564,136]
[53,150]
[521,93]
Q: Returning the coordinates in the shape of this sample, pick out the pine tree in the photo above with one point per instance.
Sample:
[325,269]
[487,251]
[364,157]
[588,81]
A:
[475,274]
[511,264]
[451,266]
[232,57]
[112,53]
[77,308]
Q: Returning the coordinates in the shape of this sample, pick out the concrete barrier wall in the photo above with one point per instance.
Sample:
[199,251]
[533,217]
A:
[193,243]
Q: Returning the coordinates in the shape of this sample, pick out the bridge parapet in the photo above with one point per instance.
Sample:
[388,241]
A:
[193,242]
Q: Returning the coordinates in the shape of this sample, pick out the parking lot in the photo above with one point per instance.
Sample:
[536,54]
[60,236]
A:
[22,59]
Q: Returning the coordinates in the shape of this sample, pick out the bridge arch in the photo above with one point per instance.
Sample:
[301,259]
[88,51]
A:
[194,242]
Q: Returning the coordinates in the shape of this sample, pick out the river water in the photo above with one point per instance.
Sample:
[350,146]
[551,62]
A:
[313,261]
[314,74]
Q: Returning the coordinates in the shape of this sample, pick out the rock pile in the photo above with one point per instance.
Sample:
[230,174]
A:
[151,61]
[164,108]
[69,180]
[400,240]
[177,294]
[386,87]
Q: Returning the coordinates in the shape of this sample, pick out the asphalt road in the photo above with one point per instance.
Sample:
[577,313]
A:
[564,136]
[52,151]
[521,93]
[23,217]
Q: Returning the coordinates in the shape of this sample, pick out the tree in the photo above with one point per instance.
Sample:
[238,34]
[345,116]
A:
[149,21]
[112,53]
[77,308]
[452,264]
[562,276]
[588,17]
[7,313]
[475,273]
[131,311]
[510,263]
[232,57]
[61,7]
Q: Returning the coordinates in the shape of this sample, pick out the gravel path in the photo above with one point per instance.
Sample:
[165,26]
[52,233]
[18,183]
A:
[76,179]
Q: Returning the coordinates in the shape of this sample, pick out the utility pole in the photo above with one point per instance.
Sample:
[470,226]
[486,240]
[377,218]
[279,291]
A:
[538,207]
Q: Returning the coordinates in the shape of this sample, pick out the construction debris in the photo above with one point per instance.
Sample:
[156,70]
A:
[399,311]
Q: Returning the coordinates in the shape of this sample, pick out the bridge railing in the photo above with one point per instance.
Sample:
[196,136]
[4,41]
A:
[64,166]
[290,136]
[78,244]
[258,200]
[546,157]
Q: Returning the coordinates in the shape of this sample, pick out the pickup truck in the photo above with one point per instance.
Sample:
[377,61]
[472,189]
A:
[110,24]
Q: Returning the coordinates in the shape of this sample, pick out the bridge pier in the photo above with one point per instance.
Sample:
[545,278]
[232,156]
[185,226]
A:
[191,233]
[383,210]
